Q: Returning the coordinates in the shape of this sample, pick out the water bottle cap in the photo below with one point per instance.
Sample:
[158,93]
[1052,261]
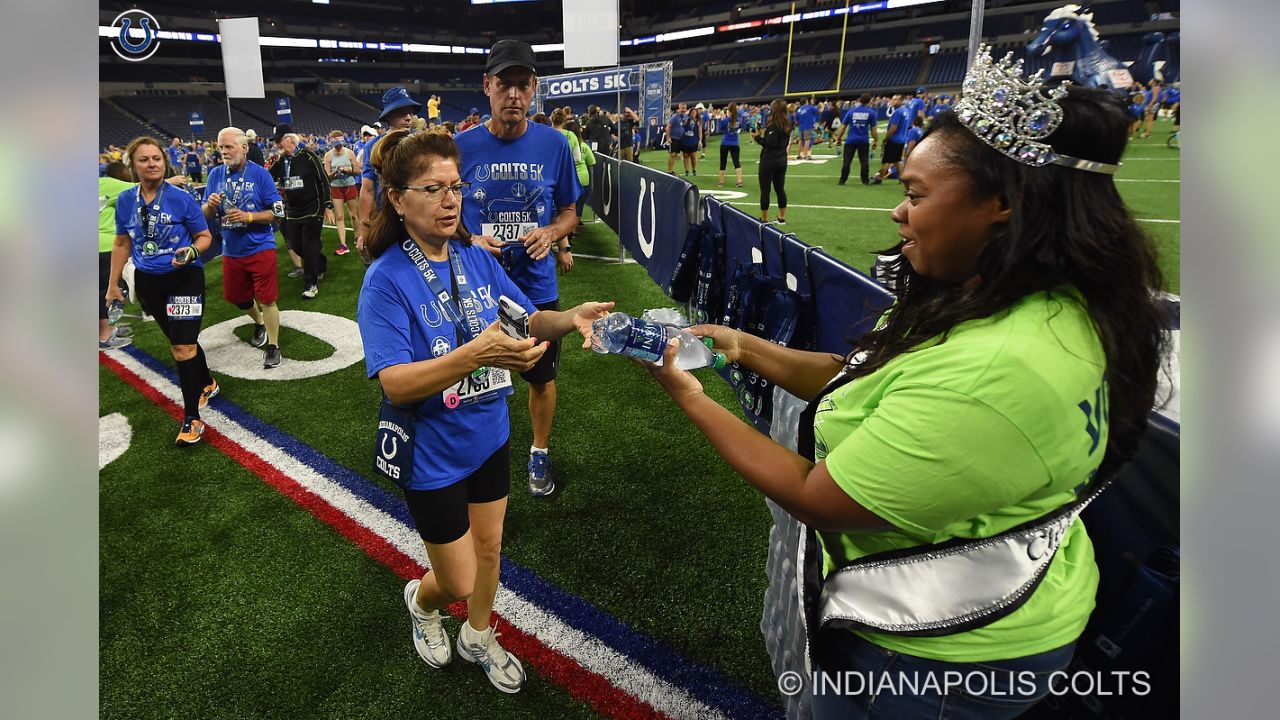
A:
[720,361]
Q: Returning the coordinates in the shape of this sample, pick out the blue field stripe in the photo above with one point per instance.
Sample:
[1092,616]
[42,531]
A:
[708,685]
[388,502]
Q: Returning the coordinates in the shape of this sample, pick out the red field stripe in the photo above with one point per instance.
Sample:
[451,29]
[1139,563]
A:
[582,684]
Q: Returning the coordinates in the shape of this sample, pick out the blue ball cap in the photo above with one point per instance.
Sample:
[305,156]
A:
[396,98]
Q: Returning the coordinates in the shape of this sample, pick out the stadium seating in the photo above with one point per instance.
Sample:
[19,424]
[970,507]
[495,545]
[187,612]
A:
[118,128]
[881,73]
[759,50]
[345,106]
[948,67]
[811,78]
[731,86]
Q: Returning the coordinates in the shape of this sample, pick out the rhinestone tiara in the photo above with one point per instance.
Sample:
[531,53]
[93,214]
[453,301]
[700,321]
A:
[1013,115]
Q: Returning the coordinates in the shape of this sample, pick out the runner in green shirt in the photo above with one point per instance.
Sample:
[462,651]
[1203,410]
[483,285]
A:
[1019,360]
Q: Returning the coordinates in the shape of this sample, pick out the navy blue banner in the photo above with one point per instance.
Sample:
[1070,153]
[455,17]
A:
[284,114]
[654,104]
[196,119]
[654,218]
[847,302]
[606,189]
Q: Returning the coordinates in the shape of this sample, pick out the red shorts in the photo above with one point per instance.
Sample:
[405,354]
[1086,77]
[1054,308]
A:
[245,279]
[350,192]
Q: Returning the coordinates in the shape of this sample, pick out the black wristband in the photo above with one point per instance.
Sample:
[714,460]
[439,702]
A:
[566,248]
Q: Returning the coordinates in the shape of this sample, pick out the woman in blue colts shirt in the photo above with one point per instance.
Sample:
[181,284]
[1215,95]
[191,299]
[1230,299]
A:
[730,126]
[427,319]
[164,230]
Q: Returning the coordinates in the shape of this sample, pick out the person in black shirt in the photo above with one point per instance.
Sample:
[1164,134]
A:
[599,130]
[305,187]
[775,144]
[626,134]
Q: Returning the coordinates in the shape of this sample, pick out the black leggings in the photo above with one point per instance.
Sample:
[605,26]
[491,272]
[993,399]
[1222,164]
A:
[725,152]
[774,173]
[849,150]
[303,237]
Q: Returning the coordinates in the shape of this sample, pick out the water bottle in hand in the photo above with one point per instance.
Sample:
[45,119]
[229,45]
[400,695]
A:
[115,312]
[621,334]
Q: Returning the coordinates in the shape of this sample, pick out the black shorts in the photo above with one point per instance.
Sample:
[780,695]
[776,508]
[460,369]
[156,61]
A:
[675,147]
[544,371]
[180,292]
[104,279]
[892,153]
[440,515]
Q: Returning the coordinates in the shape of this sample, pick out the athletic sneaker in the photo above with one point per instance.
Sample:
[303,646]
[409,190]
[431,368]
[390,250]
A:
[115,342]
[259,336]
[876,180]
[503,669]
[780,221]
[271,358]
[311,292]
[540,482]
[190,432]
[296,272]
[429,637]
[122,331]
[210,392]
[342,250]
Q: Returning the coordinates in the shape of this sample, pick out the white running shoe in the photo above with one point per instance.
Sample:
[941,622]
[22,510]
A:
[429,637]
[504,670]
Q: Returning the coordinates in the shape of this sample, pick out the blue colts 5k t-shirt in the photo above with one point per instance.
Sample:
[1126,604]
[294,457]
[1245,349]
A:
[517,186]
[858,119]
[159,228]
[730,132]
[401,321]
[250,189]
[806,116]
[902,119]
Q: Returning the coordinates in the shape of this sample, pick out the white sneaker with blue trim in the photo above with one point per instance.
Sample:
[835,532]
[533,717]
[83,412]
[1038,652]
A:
[429,637]
[503,669]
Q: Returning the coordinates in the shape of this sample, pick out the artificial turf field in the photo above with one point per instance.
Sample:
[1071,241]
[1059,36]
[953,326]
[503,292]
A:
[222,596]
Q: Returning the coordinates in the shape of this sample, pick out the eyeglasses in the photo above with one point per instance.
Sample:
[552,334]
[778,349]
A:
[436,192]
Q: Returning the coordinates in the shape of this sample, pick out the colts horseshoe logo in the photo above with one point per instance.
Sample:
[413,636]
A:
[608,188]
[137,38]
[647,244]
[395,446]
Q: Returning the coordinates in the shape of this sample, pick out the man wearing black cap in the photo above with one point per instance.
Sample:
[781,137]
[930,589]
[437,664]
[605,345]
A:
[305,187]
[398,111]
[522,203]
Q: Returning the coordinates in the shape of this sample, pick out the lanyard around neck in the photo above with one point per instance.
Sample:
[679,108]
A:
[464,318]
[149,214]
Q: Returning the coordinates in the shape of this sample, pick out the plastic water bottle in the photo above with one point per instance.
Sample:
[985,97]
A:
[621,334]
[115,312]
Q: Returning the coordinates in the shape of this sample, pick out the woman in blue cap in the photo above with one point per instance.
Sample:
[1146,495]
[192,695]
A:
[398,111]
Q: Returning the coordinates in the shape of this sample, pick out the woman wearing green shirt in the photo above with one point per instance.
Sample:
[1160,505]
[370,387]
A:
[1019,360]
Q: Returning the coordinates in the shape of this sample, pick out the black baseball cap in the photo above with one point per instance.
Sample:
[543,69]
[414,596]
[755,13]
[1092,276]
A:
[510,53]
[281,130]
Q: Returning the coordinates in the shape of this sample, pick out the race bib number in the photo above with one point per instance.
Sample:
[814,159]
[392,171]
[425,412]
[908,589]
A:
[480,385]
[293,182]
[184,307]
[507,232]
